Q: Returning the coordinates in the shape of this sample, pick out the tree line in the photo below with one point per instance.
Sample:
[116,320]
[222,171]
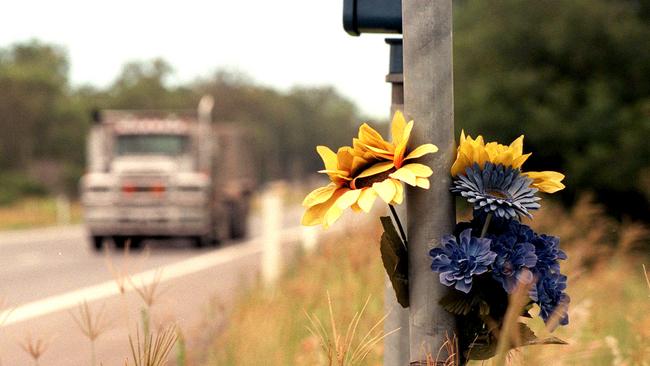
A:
[572,75]
[45,120]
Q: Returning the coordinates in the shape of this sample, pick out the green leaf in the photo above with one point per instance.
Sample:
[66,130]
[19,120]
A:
[459,303]
[528,337]
[395,259]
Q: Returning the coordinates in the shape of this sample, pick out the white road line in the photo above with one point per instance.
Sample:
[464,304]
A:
[106,289]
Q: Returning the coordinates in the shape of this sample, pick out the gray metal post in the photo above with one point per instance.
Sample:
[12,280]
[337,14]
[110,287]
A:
[396,346]
[428,99]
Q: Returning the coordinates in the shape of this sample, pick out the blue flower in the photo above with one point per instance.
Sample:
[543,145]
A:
[458,261]
[551,297]
[515,258]
[497,189]
[547,249]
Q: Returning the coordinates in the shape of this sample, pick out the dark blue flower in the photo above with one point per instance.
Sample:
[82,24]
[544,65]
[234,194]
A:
[551,297]
[458,261]
[547,249]
[497,189]
[515,259]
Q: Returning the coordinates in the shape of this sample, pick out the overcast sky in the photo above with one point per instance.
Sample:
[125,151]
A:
[279,43]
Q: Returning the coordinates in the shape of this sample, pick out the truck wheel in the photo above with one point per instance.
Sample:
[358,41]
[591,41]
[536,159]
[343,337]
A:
[120,242]
[200,241]
[238,224]
[136,242]
[97,242]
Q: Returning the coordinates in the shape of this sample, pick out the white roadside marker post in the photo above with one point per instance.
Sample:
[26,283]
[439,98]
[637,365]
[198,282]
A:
[63,216]
[272,213]
[309,239]
[428,99]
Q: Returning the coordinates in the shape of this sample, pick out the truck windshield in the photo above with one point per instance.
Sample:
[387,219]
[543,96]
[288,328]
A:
[151,144]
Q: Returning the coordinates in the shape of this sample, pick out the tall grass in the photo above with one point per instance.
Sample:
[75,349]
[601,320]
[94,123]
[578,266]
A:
[269,327]
[91,324]
[609,311]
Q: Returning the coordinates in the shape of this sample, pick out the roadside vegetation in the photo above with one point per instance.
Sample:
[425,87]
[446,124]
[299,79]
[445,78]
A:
[610,298]
[35,212]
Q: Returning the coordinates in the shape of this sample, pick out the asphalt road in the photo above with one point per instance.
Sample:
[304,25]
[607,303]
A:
[45,273]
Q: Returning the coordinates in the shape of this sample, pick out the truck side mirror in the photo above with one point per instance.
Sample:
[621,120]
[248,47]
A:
[96,116]
[372,16]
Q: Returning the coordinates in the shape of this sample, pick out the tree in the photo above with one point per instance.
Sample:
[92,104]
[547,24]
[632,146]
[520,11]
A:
[572,75]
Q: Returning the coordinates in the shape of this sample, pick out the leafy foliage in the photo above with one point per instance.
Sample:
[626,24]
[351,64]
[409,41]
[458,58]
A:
[574,76]
[395,259]
[44,119]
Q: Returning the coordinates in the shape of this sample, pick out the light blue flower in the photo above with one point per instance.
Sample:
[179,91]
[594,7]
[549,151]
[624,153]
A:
[497,189]
[458,261]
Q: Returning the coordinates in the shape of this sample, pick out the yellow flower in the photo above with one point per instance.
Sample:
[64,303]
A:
[326,204]
[371,144]
[471,151]
[373,168]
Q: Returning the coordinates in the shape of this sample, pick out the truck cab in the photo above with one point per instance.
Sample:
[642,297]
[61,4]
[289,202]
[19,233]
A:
[157,174]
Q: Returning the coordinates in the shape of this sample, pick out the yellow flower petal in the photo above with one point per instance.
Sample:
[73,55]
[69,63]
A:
[399,192]
[332,215]
[400,146]
[344,158]
[423,183]
[420,170]
[355,207]
[547,181]
[328,156]
[370,136]
[381,153]
[518,162]
[517,146]
[421,151]
[367,199]
[405,175]
[319,195]
[397,125]
[348,198]
[316,214]
[385,190]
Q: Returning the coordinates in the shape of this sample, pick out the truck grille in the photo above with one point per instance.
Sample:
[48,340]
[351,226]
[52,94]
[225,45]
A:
[143,190]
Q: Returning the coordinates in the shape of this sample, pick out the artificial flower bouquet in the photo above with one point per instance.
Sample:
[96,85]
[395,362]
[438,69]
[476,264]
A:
[495,255]
[483,261]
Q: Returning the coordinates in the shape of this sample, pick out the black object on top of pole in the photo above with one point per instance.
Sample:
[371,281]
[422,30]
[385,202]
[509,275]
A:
[372,16]
[396,61]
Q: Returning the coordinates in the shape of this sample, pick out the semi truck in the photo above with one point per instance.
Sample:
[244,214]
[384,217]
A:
[166,174]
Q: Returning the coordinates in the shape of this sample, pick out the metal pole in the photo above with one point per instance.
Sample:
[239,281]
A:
[396,346]
[428,99]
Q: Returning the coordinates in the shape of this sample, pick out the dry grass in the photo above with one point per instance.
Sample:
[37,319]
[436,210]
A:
[34,347]
[609,311]
[269,327]
[34,212]
[148,291]
[92,325]
[346,350]
[153,351]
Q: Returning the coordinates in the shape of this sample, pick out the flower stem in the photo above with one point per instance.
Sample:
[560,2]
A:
[399,223]
[486,224]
